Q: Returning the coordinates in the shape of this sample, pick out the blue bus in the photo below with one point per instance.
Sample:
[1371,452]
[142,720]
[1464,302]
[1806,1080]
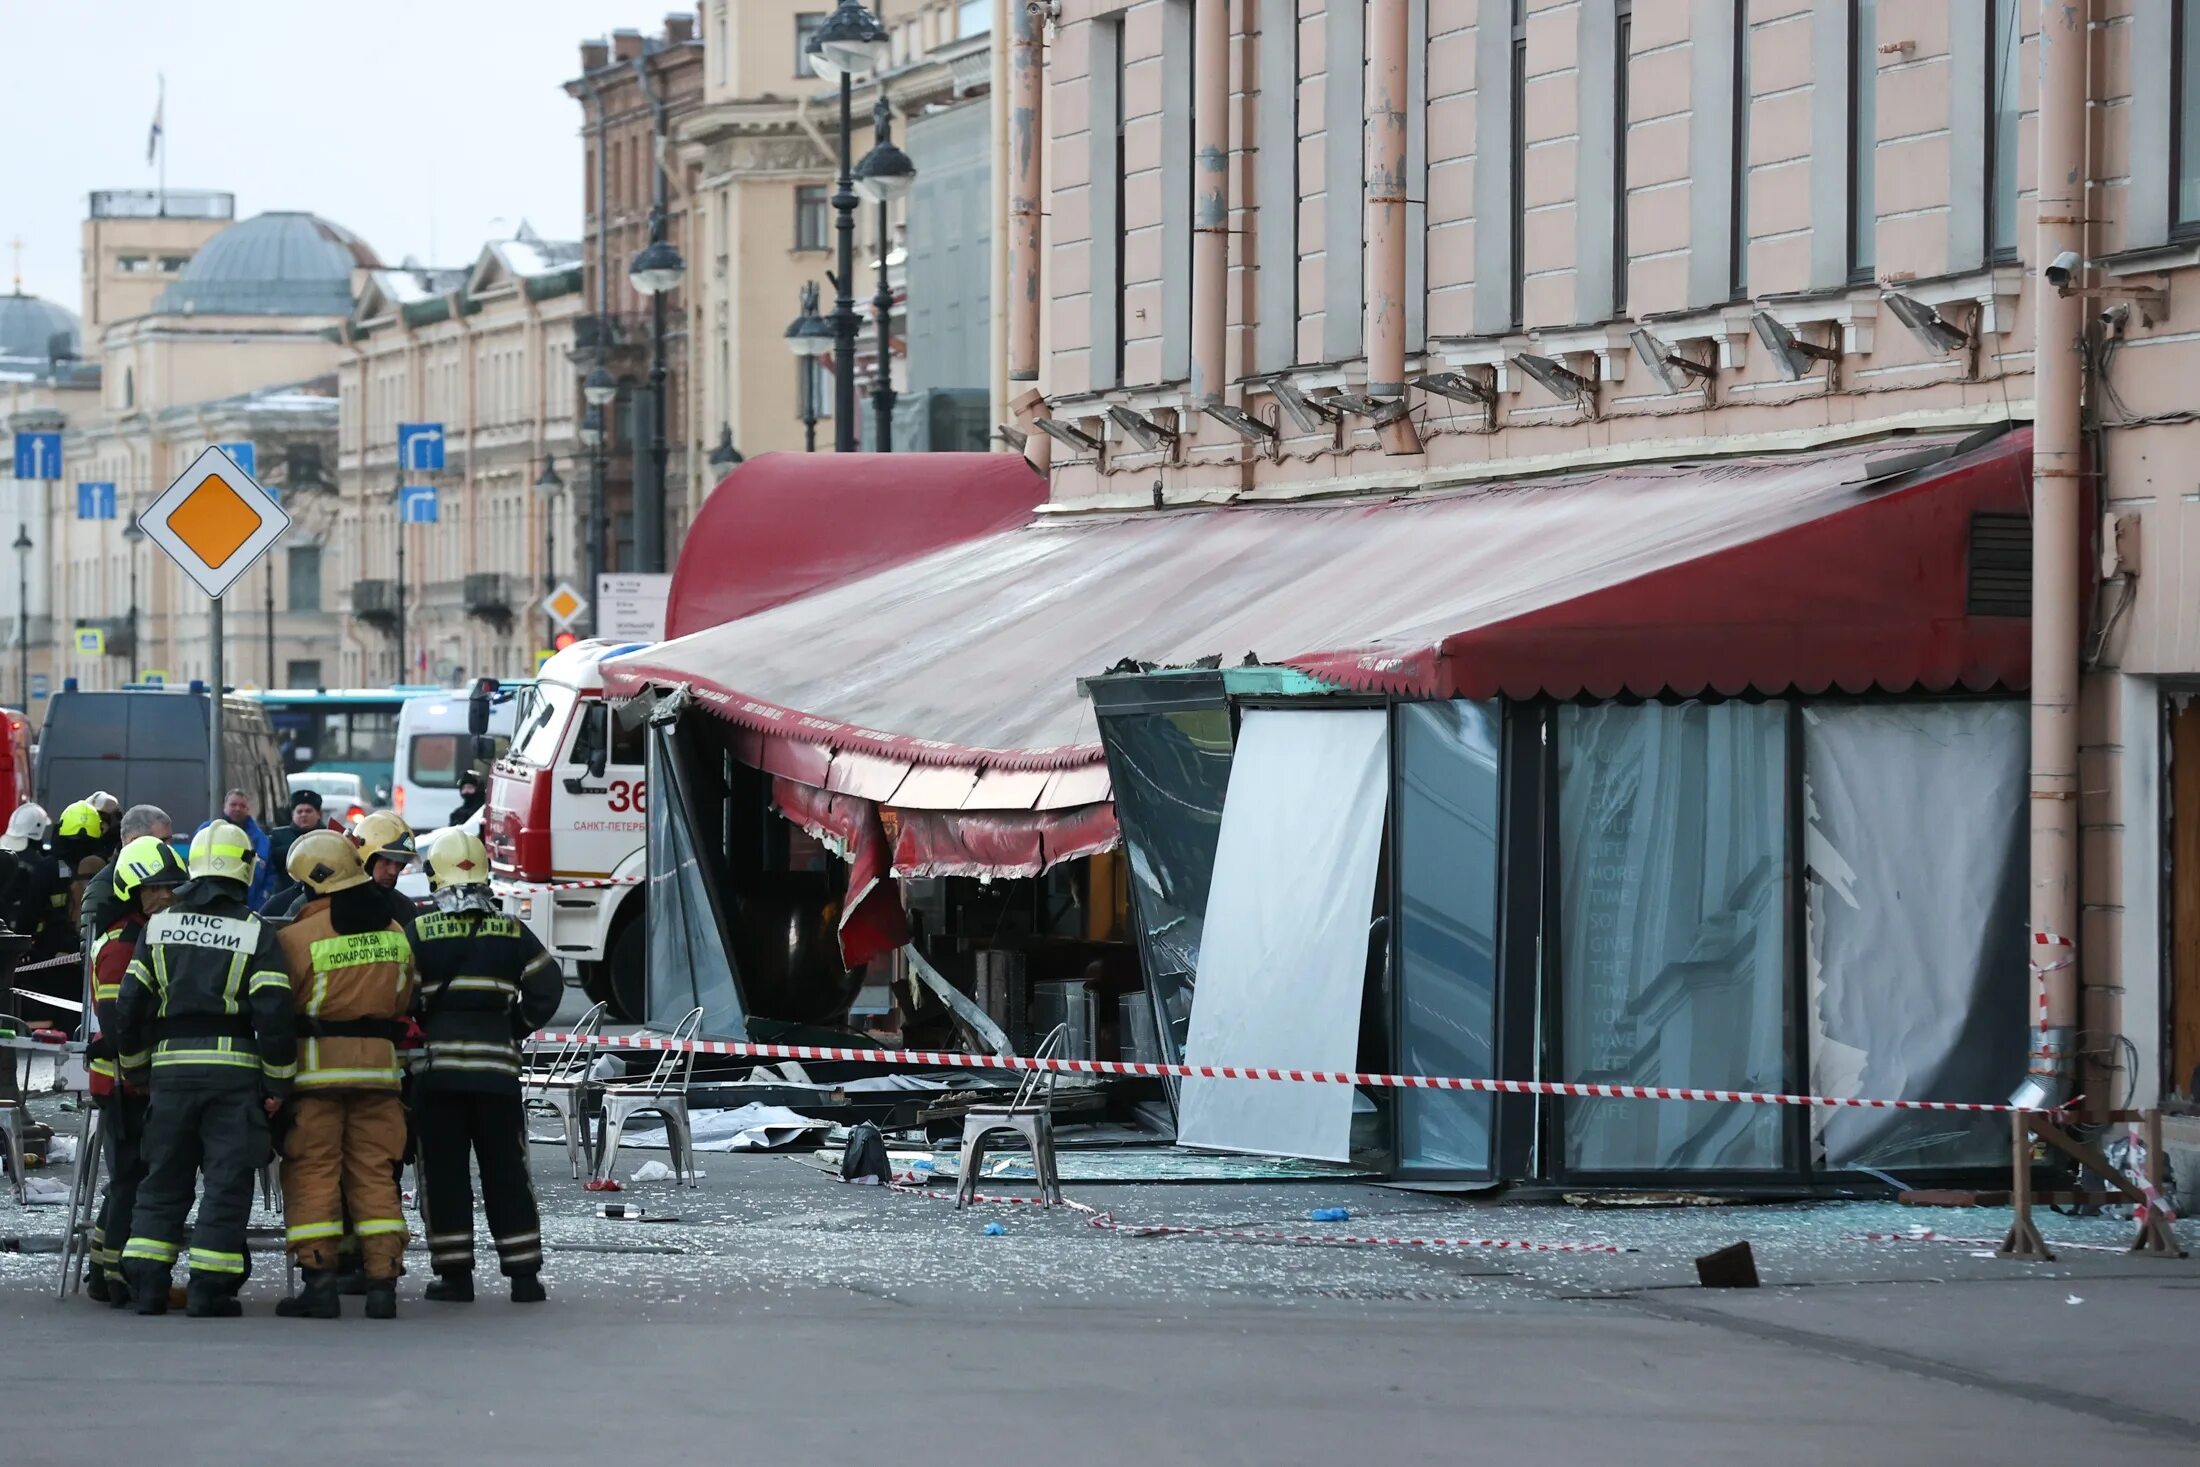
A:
[345,730]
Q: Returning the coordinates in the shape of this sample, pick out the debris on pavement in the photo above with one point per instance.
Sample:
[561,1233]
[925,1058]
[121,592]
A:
[1731,1267]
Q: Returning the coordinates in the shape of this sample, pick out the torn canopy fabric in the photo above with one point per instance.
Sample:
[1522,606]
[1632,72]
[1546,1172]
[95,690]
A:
[1915,850]
[1285,952]
[690,952]
[872,920]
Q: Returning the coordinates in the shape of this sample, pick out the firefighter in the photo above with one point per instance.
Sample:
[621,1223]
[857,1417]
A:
[387,846]
[485,985]
[204,1013]
[146,874]
[344,1147]
[85,841]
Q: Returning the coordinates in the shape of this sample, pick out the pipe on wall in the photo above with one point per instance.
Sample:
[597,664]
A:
[2057,492]
[1385,267]
[1026,103]
[1210,61]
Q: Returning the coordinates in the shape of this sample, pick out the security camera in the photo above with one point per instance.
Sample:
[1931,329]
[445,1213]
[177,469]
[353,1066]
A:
[2116,317]
[2062,267]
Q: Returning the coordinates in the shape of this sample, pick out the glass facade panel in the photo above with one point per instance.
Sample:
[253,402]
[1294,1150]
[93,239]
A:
[1672,930]
[1171,772]
[1447,864]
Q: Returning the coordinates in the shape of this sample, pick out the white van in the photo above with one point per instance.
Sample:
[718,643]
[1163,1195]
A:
[433,750]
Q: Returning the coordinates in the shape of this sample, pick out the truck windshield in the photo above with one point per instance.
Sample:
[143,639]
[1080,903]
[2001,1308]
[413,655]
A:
[541,725]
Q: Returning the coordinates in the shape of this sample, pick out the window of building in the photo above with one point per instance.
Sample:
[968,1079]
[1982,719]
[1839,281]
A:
[973,18]
[1863,137]
[2003,42]
[132,264]
[719,49]
[129,387]
[1738,222]
[1120,179]
[1623,47]
[170,264]
[302,466]
[2185,104]
[302,673]
[1519,162]
[805,26]
[305,578]
[813,216]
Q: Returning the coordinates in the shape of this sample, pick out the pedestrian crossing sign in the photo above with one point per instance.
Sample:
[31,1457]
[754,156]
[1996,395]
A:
[91,642]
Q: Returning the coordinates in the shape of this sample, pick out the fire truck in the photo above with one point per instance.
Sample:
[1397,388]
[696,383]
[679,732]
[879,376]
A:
[568,807]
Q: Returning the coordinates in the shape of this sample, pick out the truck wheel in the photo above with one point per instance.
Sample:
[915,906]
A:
[596,982]
[627,972]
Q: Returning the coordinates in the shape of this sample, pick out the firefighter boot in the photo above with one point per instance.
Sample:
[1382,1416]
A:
[527,1288]
[209,1298]
[149,1288]
[316,1297]
[382,1298]
[96,1288]
[454,1287]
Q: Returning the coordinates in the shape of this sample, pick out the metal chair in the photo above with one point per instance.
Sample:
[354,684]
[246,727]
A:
[561,1084]
[11,1145]
[1030,1114]
[664,1093]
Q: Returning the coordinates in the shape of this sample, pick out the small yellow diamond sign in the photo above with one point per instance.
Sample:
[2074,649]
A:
[214,521]
[564,604]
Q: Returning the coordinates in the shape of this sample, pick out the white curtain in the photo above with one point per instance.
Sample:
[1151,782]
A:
[1284,960]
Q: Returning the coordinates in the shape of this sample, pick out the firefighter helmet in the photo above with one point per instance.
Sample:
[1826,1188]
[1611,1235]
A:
[221,849]
[29,825]
[83,818]
[457,858]
[325,862]
[147,861]
[384,834]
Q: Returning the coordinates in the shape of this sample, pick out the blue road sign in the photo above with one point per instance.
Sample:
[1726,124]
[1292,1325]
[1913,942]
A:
[243,457]
[420,447]
[41,686]
[95,501]
[38,455]
[416,505]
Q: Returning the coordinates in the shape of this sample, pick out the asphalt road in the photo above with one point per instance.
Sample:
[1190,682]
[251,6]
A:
[788,1318]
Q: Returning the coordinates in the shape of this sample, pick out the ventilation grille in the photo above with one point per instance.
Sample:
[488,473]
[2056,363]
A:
[2001,565]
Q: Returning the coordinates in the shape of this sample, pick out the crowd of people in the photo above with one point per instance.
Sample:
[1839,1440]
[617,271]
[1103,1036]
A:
[276,994]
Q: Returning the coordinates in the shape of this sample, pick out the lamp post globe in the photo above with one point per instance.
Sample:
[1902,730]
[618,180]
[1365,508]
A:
[657,269]
[601,387]
[590,431]
[850,40]
[549,483]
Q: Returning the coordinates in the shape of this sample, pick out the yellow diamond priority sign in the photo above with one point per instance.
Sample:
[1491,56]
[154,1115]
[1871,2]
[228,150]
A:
[564,603]
[214,521]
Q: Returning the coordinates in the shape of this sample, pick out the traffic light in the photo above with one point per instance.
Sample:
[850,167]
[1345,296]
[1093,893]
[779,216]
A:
[562,641]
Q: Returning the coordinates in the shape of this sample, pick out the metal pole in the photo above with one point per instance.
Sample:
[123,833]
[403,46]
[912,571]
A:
[550,568]
[649,521]
[23,628]
[400,587]
[845,322]
[270,620]
[131,550]
[882,390]
[215,786]
[598,520]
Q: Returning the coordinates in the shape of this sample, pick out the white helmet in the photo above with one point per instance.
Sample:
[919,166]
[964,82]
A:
[29,825]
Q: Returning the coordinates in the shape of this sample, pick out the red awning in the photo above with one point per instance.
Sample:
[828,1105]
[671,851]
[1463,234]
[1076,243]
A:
[948,682]
[784,525]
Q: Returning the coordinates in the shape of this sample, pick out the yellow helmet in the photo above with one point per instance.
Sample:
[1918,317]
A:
[221,849]
[457,858]
[82,818]
[325,862]
[146,861]
[384,833]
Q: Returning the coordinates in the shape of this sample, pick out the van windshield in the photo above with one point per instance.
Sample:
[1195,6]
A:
[542,723]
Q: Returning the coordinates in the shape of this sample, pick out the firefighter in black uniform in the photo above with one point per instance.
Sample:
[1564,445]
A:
[205,1013]
[485,985]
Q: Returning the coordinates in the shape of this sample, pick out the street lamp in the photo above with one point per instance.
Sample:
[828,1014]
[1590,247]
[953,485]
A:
[850,40]
[600,387]
[549,486]
[655,271]
[809,338]
[884,175]
[598,391]
[725,456]
[133,535]
[23,614]
[591,429]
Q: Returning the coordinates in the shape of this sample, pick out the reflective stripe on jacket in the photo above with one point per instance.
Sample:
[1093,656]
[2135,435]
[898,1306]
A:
[342,979]
[205,1000]
[485,984]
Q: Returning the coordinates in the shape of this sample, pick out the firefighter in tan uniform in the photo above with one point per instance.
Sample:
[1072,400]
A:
[353,979]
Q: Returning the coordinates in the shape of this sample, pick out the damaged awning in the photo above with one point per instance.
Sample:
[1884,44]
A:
[948,684]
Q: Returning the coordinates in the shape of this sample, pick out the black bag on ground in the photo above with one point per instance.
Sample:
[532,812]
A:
[864,1158]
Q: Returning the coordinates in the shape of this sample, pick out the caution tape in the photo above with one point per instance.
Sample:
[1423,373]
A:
[62,961]
[1109,1223]
[522,888]
[941,1059]
[2142,1176]
[1927,1235]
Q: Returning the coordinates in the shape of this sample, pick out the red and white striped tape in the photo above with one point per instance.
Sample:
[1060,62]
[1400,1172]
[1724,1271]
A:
[940,1059]
[520,888]
[2140,1175]
[1107,1222]
[1927,1235]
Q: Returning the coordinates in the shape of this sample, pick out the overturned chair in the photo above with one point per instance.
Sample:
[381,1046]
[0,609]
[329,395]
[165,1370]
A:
[664,1093]
[1029,1114]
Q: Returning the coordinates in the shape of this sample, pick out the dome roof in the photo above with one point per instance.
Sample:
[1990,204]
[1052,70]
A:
[274,264]
[28,325]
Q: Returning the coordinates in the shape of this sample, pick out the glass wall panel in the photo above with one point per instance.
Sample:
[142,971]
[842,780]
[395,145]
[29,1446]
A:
[1672,930]
[1914,859]
[1171,771]
[1447,863]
